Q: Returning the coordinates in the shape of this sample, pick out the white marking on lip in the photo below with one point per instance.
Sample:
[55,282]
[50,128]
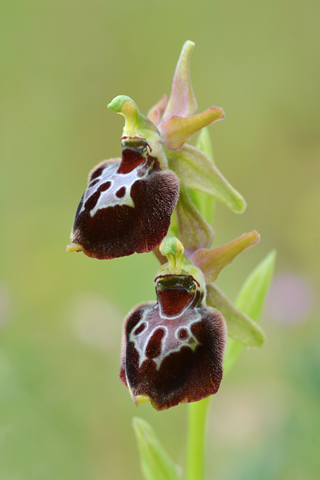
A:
[153,324]
[108,198]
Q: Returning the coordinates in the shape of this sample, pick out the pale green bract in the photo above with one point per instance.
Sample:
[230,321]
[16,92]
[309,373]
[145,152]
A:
[155,461]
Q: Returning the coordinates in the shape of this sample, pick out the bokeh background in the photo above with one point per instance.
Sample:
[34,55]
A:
[63,412]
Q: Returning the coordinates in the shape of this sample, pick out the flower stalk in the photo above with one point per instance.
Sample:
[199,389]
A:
[196,433]
[173,347]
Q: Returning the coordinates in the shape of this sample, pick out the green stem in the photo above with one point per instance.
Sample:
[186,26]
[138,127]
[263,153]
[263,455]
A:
[197,415]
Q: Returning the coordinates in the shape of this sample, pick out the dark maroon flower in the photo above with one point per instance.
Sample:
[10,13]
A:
[127,205]
[173,349]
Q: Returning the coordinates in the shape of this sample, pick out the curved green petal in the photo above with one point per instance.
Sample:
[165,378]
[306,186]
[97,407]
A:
[211,262]
[177,130]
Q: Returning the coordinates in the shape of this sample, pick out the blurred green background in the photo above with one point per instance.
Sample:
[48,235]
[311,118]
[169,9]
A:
[63,412]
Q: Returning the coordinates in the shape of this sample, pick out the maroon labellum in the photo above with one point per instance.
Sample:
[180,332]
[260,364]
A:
[173,349]
[127,205]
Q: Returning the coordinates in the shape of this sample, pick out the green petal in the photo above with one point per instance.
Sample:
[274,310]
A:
[194,231]
[177,130]
[211,262]
[155,461]
[198,172]
[250,300]
[240,326]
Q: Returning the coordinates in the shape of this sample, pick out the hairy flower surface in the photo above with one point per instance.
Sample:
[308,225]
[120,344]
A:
[173,349]
[128,203]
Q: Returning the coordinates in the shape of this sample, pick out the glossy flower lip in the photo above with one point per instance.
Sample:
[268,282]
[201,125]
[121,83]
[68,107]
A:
[173,349]
[127,205]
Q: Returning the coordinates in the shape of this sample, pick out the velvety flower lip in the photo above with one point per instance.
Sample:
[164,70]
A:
[128,203]
[173,348]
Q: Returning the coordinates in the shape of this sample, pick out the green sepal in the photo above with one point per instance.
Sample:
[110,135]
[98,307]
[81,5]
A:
[211,262]
[194,231]
[155,461]
[250,300]
[239,325]
[206,204]
[198,172]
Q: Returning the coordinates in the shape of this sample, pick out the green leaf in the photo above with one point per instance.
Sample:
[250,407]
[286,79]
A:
[155,461]
[240,327]
[194,231]
[211,262]
[250,300]
[198,172]
[253,292]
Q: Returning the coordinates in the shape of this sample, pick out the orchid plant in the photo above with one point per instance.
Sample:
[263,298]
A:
[160,196]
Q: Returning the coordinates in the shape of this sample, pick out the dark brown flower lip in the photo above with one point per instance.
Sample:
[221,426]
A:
[172,361]
[126,207]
